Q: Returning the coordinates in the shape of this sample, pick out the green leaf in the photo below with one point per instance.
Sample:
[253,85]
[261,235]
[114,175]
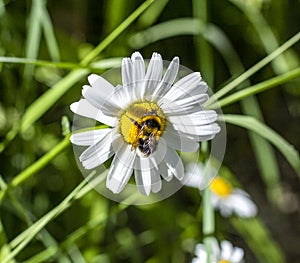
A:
[250,123]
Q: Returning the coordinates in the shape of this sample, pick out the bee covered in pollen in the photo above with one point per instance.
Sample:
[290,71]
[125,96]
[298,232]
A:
[142,124]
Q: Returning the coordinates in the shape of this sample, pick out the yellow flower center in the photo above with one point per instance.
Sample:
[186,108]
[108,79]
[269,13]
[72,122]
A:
[141,125]
[223,261]
[221,188]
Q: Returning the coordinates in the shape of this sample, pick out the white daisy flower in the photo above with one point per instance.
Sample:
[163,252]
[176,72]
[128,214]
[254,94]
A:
[148,119]
[225,198]
[226,253]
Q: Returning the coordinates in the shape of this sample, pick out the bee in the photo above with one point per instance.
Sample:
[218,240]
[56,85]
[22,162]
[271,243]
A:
[142,124]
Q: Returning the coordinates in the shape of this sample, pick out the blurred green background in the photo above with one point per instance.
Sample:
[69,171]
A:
[221,38]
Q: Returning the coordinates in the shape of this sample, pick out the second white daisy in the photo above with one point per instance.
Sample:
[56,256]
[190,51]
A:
[226,253]
[225,198]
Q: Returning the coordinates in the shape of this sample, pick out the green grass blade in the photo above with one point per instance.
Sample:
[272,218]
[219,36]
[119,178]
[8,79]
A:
[248,73]
[4,247]
[111,37]
[32,45]
[45,101]
[265,34]
[250,123]
[115,12]
[79,233]
[259,240]
[2,8]
[27,216]
[72,239]
[49,34]
[260,87]
[171,28]
[34,29]
[151,15]
[97,65]
[203,49]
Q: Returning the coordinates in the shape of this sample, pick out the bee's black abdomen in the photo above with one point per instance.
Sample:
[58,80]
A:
[152,124]
[141,144]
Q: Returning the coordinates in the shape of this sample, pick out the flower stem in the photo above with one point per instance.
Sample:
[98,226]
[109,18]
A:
[208,222]
[36,166]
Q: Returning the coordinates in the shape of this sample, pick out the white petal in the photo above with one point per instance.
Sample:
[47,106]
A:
[167,80]
[100,85]
[237,255]
[93,78]
[127,72]
[153,75]
[195,137]
[226,250]
[195,175]
[138,75]
[123,96]
[187,86]
[201,253]
[187,105]
[121,169]
[174,163]
[101,98]
[195,119]
[138,67]
[98,153]
[203,130]
[179,141]
[161,150]
[215,200]
[222,205]
[165,172]
[242,205]
[155,181]
[225,211]
[88,138]
[143,175]
[85,109]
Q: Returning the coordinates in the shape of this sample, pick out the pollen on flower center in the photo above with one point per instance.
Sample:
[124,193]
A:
[221,188]
[141,125]
[223,261]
